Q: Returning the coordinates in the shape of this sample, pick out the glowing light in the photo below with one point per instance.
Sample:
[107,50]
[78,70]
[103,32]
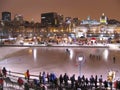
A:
[101,35]
[35,53]
[80,58]
[105,54]
[71,54]
[30,51]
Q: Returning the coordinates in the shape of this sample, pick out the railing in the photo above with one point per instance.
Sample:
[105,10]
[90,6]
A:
[15,75]
[22,75]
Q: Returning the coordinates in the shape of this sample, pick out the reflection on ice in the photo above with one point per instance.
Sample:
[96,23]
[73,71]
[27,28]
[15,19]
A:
[35,53]
[53,59]
[105,54]
[71,54]
[30,50]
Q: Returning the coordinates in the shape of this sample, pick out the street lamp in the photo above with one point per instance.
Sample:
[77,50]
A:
[80,60]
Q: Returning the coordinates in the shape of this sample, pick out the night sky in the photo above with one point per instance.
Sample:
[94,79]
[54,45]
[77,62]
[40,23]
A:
[73,8]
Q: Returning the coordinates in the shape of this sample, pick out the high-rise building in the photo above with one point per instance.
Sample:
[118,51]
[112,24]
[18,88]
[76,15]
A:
[49,19]
[61,19]
[6,16]
[18,18]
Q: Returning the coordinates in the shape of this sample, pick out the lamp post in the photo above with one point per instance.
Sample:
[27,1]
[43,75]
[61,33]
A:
[80,60]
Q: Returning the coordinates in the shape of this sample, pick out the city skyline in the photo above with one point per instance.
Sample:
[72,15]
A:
[79,8]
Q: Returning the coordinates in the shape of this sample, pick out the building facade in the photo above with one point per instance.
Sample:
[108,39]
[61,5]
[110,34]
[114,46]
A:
[103,19]
[49,19]
[6,16]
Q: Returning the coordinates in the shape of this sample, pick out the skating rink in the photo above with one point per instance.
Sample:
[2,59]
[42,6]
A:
[95,61]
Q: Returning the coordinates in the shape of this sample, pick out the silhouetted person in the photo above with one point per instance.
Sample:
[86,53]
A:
[76,85]
[61,79]
[91,81]
[68,51]
[66,78]
[100,81]
[48,77]
[114,59]
[27,75]
[44,78]
[4,71]
[105,84]
[72,80]
[110,83]
[79,80]
[40,78]
[86,81]
[96,79]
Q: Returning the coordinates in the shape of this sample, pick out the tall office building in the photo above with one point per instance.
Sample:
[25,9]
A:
[19,18]
[6,16]
[61,19]
[49,19]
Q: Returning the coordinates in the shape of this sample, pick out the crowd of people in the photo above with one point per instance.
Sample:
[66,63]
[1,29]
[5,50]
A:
[82,82]
[50,80]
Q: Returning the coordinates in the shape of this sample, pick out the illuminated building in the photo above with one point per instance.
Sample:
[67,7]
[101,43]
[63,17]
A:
[68,24]
[117,29]
[80,31]
[99,32]
[68,20]
[103,19]
[18,17]
[76,22]
[49,19]
[6,16]
[61,19]
[89,21]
